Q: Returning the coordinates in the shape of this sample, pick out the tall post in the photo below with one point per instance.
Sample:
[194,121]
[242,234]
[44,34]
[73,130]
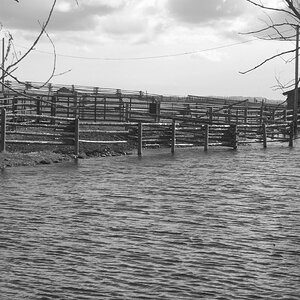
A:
[173,141]
[140,138]
[3,131]
[296,81]
[210,115]
[2,65]
[76,139]
[206,137]
[234,136]
[264,134]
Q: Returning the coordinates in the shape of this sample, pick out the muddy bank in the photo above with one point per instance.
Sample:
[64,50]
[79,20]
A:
[30,159]
[30,155]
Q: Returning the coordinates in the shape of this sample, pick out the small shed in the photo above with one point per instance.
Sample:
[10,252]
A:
[290,98]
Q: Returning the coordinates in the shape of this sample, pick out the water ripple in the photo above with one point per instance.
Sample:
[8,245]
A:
[218,225]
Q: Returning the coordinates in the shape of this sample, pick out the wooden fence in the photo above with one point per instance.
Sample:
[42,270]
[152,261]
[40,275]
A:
[93,104]
[41,129]
[79,115]
[95,109]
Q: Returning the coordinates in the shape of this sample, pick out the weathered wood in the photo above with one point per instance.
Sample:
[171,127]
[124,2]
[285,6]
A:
[32,116]
[3,131]
[102,142]
[76,139]
[173,139]
[291,136]
[34,125]
[140,139]
[42,134]
[106,123]
[206,138]
[39,142]
[105,131]
[264,135]
[235,135]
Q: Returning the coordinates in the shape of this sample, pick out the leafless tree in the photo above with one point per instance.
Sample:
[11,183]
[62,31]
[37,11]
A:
[283,30]
[8,71]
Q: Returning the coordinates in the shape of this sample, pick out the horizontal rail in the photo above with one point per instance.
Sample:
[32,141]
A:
[31,116]
[38,142]
[102,142]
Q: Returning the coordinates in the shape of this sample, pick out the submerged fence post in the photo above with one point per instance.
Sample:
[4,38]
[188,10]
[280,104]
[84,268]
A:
[140,138]
[234,133]
[76,139]
[264,133]
[3,131]
[291,137]
[173,141]
[206,137]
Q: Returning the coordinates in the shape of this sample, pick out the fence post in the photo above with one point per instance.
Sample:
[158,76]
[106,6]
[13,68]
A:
[237,116]
[291,137]
[14,105]
[3,131]
[210,115]
[229,115]
[173,141]
[96,89]
[104,109]
[38,108]
[53,108]
[246,115]
[127,112]
[261,114]
[206,137]
[285,115]
[234,133]
[158,111]
[76,139]
[140,138]
[264,133]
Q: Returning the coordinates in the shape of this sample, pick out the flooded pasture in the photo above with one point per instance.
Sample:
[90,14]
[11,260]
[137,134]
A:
[218,225]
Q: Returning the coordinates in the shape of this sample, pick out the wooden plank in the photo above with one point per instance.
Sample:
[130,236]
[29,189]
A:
[102,142]
[32,116]
[45,134]
[140,139]
[206,138]
[3,131]
[173,139]
[76,140]
[38,142]
[105,131]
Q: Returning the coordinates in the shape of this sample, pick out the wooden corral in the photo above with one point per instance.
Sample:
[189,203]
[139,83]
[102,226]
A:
[66,114]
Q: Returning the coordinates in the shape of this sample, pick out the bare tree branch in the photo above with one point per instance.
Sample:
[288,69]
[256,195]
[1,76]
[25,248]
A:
[273,8]
[36,40]
[267,60]
[279,33]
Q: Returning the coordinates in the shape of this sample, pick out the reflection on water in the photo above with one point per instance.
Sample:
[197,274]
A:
[216,225]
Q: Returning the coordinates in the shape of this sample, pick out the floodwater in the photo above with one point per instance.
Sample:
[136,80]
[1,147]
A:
[218,225]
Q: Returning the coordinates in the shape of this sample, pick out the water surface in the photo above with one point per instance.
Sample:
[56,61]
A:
[218,225]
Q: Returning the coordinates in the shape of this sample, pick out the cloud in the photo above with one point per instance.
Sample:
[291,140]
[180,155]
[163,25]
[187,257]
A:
[204,12]
[66,16]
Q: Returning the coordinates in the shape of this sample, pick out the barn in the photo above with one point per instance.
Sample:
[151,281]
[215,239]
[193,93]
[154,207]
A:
[290,98]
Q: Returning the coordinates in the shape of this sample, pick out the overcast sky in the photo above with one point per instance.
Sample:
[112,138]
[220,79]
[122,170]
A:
[161,46]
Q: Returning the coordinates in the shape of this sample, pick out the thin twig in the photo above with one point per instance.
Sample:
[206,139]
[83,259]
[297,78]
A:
[37,39]
[267,60]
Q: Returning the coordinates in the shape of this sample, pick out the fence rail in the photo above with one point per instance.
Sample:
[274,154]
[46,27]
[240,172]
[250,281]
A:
[73,116]
[70,131]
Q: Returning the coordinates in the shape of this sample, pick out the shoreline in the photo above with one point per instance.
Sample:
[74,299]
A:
[34,156]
